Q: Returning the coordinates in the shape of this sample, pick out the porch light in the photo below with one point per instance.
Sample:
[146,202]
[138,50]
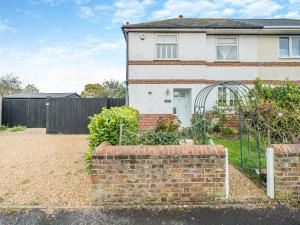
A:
[167,91]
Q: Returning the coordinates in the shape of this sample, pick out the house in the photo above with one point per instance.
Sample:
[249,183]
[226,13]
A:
[170,61]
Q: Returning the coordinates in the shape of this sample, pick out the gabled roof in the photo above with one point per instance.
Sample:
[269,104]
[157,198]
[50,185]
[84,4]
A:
[42,95]
[209,23]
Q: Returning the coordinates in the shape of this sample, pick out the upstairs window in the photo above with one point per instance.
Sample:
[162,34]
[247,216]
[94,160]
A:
[166,47]
[289,47]
[227,48]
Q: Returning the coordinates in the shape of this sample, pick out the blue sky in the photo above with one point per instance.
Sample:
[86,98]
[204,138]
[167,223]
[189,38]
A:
[60,45]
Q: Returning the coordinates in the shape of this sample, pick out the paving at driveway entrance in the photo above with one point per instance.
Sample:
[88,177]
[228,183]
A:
[279,215]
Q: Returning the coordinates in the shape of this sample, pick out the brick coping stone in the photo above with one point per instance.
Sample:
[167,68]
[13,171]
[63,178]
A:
[285,148]
[106,149]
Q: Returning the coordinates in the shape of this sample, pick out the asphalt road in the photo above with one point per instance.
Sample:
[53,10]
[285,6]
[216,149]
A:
[206,216]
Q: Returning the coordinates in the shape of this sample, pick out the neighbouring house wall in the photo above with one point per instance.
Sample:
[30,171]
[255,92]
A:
[268,49]
[159,174]
[286,171]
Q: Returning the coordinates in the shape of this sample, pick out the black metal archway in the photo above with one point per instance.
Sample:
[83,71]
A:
[250,157]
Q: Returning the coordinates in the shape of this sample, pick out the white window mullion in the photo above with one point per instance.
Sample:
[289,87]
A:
[166,42]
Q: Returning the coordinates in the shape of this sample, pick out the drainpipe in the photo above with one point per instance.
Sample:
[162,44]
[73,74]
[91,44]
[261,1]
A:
[127,56]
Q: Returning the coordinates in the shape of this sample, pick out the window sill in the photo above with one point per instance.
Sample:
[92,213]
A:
[293,57]
[166,60]
[230,61]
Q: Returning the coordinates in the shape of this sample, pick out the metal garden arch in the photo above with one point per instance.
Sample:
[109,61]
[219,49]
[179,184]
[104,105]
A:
[250,157]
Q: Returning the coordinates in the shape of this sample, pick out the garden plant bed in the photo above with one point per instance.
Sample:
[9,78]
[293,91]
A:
[40,169]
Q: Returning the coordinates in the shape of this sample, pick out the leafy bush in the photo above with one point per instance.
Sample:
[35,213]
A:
[88,158]
[229,131]
[278,110]
[159,138]
[168,124]
[106,126]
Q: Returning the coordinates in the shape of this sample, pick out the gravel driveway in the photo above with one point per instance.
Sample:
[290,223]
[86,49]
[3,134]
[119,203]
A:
[40,169]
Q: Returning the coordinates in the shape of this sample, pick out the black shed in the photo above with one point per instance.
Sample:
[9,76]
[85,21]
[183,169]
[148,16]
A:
[28,109]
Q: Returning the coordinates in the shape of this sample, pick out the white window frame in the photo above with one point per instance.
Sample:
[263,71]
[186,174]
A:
[166,34]
[237,48]
[290,47]
[227,97]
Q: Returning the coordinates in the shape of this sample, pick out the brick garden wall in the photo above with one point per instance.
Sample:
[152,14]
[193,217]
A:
[149,121]
[287,171]
[158,174]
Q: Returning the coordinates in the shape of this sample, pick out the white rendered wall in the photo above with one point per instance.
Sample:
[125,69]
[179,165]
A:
[191,46]
[212,73]
[154,103]
[247,47]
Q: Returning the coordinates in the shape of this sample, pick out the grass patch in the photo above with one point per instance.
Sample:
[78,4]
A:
[24,182]
[3,127]
[233,146]
[17,128]
[10,211]
[34,202]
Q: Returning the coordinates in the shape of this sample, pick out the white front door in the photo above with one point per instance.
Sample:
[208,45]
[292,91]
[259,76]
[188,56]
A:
[181,106]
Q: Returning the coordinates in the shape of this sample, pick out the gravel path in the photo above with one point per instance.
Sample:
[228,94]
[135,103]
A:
[241,187]
[40,169]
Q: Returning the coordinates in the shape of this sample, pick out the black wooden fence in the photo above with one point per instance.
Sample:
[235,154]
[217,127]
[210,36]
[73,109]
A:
[57,115]
[26,112]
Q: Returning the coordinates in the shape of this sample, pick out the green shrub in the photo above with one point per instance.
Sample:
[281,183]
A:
[168,124]
[278,111]
[17,128]
[106,126]
[88,158]
[229,131]
[159,138]
[3,127]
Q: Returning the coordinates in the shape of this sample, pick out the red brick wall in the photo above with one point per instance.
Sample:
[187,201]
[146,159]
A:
[158,174]
[149,121]
[287,171]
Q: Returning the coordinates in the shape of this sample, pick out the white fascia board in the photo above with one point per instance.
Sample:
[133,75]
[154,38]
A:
[269,30]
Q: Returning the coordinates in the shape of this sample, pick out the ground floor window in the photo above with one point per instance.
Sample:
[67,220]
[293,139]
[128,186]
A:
[226,97]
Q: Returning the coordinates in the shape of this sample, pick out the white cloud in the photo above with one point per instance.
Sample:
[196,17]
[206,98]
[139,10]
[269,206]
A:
[188,8]
[293,14]
[130,10]
[262,8]
[228,12]
[4,27]
[80,2]
[86,13]
[217,8]
[65,66]
[94,14]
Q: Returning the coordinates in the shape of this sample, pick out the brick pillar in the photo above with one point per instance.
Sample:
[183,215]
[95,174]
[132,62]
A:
[286,171]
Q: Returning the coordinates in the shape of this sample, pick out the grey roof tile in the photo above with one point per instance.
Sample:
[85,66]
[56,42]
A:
[213,23]
[42,95]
